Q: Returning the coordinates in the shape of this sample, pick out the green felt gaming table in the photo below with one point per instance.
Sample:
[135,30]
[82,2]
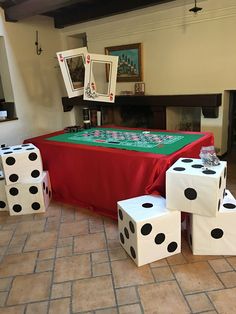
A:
[164,143]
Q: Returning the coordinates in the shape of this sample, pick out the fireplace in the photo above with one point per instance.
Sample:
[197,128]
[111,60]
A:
[183,118]
[173,112]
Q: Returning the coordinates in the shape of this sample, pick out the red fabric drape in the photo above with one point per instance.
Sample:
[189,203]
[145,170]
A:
[98,177]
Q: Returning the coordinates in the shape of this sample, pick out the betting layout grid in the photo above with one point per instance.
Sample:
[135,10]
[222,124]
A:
[126,138]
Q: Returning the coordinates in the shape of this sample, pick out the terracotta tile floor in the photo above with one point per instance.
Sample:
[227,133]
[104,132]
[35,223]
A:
[69,261]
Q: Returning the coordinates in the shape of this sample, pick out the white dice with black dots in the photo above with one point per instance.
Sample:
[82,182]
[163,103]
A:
[214,235]
[29,198]
[194,189]
[148,231]
[21,163]
[3,197]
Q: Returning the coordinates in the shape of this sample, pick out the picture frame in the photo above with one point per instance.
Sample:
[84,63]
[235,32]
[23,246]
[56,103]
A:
[129,62]
[96,87]
[72,65]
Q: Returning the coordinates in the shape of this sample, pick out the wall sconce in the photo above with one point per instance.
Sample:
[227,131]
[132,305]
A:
[37,45]
[195,9]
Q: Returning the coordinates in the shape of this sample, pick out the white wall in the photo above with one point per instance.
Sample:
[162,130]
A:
[35,79]
[183,53]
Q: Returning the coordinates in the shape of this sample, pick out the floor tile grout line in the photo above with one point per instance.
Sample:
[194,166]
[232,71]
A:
[177,282]
[109,259]
[54,262]
[216,275]
[13,277]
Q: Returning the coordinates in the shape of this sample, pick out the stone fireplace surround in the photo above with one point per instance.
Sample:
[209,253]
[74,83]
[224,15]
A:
[148,111]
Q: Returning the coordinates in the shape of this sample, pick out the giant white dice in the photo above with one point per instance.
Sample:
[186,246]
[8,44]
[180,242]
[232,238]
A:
[21,163]
[193,189]
[29,198]
[148,231]
[3,197]
[214,235]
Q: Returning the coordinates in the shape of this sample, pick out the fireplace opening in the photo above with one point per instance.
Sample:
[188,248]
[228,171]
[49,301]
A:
[134,116]
[184,118]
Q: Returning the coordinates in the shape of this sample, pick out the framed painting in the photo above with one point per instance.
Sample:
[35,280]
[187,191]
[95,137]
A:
[129,62]
[96,87]
[72,68]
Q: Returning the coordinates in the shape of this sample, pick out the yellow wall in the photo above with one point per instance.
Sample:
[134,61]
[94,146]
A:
[35,79]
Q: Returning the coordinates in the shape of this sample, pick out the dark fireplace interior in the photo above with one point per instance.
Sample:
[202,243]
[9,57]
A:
[173,112]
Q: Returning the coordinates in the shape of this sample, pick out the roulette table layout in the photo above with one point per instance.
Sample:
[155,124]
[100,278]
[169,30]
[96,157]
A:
[137,140]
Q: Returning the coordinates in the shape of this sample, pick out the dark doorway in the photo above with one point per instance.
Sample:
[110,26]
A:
[232,122]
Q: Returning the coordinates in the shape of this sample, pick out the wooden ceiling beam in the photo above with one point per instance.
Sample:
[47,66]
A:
[28,8]
[99,9]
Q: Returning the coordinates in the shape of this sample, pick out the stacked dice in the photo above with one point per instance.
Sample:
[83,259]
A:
[27,187]
[201,192]
[150,226]
[3,197]
[148,230]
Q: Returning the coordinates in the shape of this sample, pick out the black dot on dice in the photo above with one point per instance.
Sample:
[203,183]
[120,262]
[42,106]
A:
[147,205]
[190,194]
[187,160]
[131,226]
[217,233]
[126,232]
[5,148]
[35,206]
[179,169]
[35,173]
[33,189]
[13,177]
[30,148]
[10,161]
[25,145]
[46,190]
[197,166]
[132,252]
[172,247]
[122,239]
[17,148]
[225,193]
[6,153]
[146,229]
[1,178]
[220,182]
[120,214]
[229,205]
[2,204]
[13,191]
[44,185]
[32,156]
[219,205]
[225,172]
[208,171]
[17,208]
[160,238]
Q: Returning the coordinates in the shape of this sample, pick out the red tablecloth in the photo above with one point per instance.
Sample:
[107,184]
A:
[98,177]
